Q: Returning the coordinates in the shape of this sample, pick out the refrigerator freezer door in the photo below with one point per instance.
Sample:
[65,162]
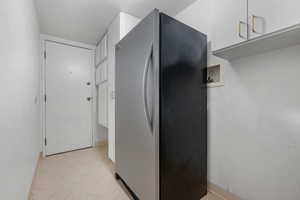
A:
[136,77]
[183,118]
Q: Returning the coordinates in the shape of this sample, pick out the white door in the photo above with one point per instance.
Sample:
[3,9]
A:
[229,23]
[272,15]
[68,87]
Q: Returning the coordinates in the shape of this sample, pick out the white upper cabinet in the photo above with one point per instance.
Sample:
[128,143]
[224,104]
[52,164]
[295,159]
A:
[268,16]
[229,23]
[248,27]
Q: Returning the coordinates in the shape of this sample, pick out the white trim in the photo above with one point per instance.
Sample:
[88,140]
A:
[94,100]
[44,38]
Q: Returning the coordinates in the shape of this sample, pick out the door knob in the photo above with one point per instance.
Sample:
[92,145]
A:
[89,98]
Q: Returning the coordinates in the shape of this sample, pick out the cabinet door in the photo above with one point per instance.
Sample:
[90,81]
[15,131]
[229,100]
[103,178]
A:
[98,76]
[104,71]
[102,104]
[97,54]
[272,15]
[104,46]
[229,23]
[105,100]
[101,73]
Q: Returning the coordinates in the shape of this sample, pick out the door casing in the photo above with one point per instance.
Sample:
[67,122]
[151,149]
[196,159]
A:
[43,39]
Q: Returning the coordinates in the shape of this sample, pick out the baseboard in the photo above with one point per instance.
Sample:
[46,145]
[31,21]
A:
[34,175]
[101,143]
[221,193]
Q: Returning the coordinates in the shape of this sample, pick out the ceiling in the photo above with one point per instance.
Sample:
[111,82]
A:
[86,20]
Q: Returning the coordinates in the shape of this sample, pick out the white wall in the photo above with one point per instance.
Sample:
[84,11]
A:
[198,16]
[254,121]
[19,106]
[127,22]
[101,133]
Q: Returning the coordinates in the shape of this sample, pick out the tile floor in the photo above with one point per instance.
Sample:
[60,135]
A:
[80,175]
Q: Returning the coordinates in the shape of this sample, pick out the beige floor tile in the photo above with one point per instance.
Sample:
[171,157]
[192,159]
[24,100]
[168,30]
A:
[79,175]
[210,196]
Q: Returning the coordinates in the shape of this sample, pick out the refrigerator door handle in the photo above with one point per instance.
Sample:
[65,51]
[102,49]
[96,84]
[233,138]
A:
[149,116]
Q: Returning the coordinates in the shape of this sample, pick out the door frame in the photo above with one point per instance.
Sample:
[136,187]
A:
[47,38]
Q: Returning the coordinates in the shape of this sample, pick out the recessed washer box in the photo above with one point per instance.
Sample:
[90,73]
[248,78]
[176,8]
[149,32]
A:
[215,76]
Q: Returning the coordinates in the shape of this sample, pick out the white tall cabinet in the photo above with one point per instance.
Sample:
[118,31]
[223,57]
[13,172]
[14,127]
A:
[101,81]
[119,27]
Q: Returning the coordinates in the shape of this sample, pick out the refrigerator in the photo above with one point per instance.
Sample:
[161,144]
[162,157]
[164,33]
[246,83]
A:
[161,110]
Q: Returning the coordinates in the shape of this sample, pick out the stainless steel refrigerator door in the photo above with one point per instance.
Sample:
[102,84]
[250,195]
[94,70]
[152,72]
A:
[137,99]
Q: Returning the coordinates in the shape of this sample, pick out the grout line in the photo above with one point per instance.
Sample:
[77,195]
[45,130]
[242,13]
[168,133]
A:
[221,193]
[217,194]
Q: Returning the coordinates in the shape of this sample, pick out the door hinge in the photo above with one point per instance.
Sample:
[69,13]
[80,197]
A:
[45,55]
[45,141]
[45,98]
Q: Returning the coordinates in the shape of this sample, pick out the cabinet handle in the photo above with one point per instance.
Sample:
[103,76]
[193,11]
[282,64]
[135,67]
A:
[240,29]
[254,18]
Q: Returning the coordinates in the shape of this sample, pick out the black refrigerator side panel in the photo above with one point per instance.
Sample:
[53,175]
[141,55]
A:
[183,111]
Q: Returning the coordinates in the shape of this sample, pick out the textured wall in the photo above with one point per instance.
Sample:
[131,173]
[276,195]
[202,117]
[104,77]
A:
[254,120]
[19,107]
